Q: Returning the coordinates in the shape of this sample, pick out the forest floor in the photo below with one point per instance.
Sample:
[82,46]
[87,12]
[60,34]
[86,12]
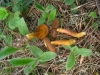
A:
[76,22]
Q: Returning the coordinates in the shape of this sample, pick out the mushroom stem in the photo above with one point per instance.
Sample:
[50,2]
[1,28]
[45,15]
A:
[48,44]
[63,42]
[69,32]
[30,36]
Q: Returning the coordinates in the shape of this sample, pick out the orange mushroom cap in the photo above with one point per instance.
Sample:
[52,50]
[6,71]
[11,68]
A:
[40,32]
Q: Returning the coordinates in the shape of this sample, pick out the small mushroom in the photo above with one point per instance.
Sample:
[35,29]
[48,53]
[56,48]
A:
[55,25]
[48,44]
[69,32]
[63,42]
[40,32]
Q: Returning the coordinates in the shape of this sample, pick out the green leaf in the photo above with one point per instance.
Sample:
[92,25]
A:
[47,56]
[30,67]
[28,2]
[70,62]
[36,51]
[22,27]
[41,20]
[7,51]
[27,71]
[69,2]
[44,15]
[2,36]
[20,61]
[3,13]
[33,64]
[49,8]
[93,14]
[8,39]
[74,49]
[84,51]
[15,8]
[52,15]
[40,7]
[73,5]
[95,25]
[13,20]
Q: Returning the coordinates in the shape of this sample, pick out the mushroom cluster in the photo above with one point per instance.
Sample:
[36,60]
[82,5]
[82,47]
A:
[43,30]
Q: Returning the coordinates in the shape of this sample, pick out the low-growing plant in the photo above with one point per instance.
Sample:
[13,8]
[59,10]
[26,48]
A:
[13,21]
[48,13]
[30,62]
[17,5]
[73,51]
[69,2]
[94,15]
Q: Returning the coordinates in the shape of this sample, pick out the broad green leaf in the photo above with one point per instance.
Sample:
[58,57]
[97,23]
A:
[20,61]
[22,27]
[13,20]
[28,2]
[41,20]
[47,56]
[8,39]
[84,51]
[27,71]
[74,49]
[7,51]
[69,2]
[15,8]
[44,15]
[33,64]
[73,5]
[30,67]
[93,14]
[70,62]
[36,51]
[52,15]
[40,7]
[49,8]
[95,25]
[3,13]
[2,36]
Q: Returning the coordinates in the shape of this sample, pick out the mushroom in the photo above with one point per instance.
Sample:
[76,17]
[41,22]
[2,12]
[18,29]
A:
[63,42]
[40,32]
[55,25]
[69,32]
[48,44]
